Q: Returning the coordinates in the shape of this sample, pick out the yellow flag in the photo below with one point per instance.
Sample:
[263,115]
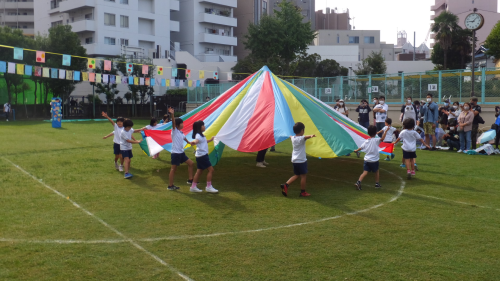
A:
[98,77]
[190,83]
[91,63]
[202,74]
[167,82]
[136,80]
[85,76]
[160,70]
[20,69]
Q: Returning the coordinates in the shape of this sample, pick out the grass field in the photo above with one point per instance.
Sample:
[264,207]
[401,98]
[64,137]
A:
[66,214]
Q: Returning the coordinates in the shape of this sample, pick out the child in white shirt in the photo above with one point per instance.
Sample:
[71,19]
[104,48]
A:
[410,137]
[371,148]
[118,128]
[126,141]
[390,134]
[299,160]
[202,158]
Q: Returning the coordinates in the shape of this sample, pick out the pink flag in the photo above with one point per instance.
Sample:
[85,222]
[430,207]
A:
[107,65]
[145,69]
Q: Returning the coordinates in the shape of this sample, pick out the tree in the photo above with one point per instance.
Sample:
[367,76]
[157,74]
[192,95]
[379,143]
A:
[493,42]
[108,89]
[445,27]
[373,64]
[330,68]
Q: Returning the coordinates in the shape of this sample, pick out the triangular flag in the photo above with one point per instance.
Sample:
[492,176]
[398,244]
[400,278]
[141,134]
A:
[107,65]
[164,82]
[85,76]
[66,60]
[174,72]
[105,78]
[46,72]
[3,66]
[136,81]
[216,75]
[130,68]
[40,56]
[12,68]
[229,76]
[188,73]
[20,69]
[62,74]
[28,70]
[141,81]
[54,73]
[18,53]
[153,82]
[91,77]
[38,71]
[76,76]
[159,70]
[147,82]
[190,83]
[98,78]
[91,64]
[145,69]
[202,74]
[69,75]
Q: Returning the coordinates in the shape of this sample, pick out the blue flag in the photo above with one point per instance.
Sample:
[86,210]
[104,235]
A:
[28,70]
[131,80]
[54,73]
[3,66]
[163,83]
[76,76]
[153,82]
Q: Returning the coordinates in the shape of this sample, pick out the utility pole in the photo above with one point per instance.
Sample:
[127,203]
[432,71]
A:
[473,59]
[414,37]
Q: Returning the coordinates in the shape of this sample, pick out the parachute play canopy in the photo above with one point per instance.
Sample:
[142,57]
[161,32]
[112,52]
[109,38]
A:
[260,112]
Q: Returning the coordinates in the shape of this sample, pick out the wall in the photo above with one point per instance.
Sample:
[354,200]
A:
[395,66]
[338,53]
[245,13]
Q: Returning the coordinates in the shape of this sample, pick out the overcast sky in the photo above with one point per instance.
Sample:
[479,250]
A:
[388,16]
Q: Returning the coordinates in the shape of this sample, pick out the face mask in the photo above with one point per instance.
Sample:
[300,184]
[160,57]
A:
[466,108]
[429,100]
[381,102]
[341,103]
[452,128]
[455,107]
[446,104]
[374,101]
[408,101]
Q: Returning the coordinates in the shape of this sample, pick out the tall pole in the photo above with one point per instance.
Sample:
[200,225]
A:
[93,102]
[414,37]
[473,67]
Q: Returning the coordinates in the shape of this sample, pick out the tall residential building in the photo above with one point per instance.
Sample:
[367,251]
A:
[18,14]
[333,20]
[207,29]
[136,28]
[306,8]
[462,8]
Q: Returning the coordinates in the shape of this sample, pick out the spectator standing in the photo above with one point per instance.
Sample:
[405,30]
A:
[375,103]
[380,110]
[465,121]
[409,110]
[6,110]
[454,112]
[444,111]
[73,106]
[364,114]
[476,109]
[342,109]
[430,112]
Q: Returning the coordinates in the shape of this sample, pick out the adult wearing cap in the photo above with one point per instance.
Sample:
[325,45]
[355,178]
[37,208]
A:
[444,111]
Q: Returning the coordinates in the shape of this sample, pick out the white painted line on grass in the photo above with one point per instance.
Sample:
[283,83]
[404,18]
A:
[59,241]
[171,268]
[453,201]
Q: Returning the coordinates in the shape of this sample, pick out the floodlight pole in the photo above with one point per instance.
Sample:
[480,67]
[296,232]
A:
[93,102]
[473,58]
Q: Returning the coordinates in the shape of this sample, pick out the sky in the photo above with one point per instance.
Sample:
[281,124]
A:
[388,16]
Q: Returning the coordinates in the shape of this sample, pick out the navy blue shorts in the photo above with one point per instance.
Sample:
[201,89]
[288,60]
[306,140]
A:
[371,166]
[300,168]
[116,148]
[203,162]
[178,158]
[409,154]
[127,153]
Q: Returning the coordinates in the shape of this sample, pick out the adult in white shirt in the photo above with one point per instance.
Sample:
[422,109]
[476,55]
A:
[380,110]
[342,109]
[6,110]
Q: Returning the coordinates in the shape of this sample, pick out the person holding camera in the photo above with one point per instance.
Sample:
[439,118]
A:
[409,110]
[476,109]
[364,113]
[430,112]
[452,137]
[444,112]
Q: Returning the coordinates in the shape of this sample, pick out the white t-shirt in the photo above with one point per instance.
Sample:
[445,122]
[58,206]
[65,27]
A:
[371,148]
[6,107]
[409,112]
[409,138]
[381,116]
[177,141]
[341,109]
[201,146]
[124,136]
[149,127]
[117,134]
[299,149]
[390,134]
[454,115]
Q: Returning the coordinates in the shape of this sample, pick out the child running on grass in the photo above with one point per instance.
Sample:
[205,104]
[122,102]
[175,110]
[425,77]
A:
[410,137]
[299,160]
[178,155]
[371,148]
[390,134]
[126,141]
[118,128]
[202,159]
[153,124]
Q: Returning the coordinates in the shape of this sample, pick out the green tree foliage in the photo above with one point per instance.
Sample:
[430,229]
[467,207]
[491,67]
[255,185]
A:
[374,64]
[493,42]
[143,91]
[108,89]
[313,66]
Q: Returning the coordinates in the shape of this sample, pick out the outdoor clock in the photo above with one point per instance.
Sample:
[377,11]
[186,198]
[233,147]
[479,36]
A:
[474,21]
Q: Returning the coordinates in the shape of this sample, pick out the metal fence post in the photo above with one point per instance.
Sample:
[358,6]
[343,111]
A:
[440,82]
[370,86]
[316,87]
[420,96]
[402,87]
[483,84]
[341,87]
[460,99]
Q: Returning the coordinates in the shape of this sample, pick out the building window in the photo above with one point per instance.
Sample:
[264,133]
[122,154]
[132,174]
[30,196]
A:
[110,0]
[124,21]
[338,39]
[124,42]
[56,23]
[264,8]
[353,39]
[89,16]
[369,40]
[89,40]
[109,19]
[123,1]
[109,41]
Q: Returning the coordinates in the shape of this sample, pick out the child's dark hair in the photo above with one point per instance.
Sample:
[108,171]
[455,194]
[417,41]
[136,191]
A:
[409,124]
[197,128]
[153,121]
[388,121]
[372,131]
[178,122]
[120,119]
[166,117]
[128,123]
[298,127]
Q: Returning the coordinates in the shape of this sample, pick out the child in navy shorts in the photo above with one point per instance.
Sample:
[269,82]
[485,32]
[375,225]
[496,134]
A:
[410,137]
[118,128]
[126,141]
[390,134]
[371,148]
[299,160]
[178,156]
[202,158]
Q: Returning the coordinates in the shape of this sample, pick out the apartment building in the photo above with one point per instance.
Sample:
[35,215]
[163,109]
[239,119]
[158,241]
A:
[18,14]
[462,8]
[332,19]
[207,29]
[136,28]
[306,8]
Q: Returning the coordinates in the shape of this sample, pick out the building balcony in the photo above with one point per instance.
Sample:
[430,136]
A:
[175,26]
[174,5]
[218,19]
[217,39]
[437,5]
[82,26]
[97,49]
[19,18]
[70,5]
[227,3]
[19,5]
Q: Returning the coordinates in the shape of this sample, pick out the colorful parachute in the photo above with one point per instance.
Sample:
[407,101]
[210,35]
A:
[260,112]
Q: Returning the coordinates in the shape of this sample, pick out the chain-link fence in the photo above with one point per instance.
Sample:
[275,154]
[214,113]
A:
[454,84]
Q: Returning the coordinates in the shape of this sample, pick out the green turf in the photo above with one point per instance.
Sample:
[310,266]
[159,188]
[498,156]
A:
[443,227]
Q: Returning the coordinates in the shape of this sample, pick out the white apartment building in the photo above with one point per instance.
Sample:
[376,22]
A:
[206,29]
[18,14]
[137,28]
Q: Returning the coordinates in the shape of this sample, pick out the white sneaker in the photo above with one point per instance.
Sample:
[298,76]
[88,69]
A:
[120,168]
[195,189]
[116,166]
[211,189]
[260,165]
[265,163]
[460,151]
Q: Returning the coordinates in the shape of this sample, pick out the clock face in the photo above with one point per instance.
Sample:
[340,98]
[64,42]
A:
[473,21]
